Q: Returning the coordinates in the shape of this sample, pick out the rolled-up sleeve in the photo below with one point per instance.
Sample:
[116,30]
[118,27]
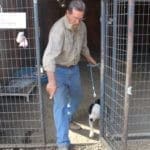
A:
[54,47]
[85,50]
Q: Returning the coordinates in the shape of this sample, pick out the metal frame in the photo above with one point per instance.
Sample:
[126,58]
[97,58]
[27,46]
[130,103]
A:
[36,23]
[128,86]
[102,79]
[25,93]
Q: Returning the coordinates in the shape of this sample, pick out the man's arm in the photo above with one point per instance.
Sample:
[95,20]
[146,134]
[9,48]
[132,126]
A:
[53,49]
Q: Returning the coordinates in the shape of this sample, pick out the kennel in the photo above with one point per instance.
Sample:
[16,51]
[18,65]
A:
[125,73]
[21,120]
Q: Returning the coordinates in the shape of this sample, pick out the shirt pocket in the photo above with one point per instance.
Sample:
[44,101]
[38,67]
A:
[80,40]
[68,42]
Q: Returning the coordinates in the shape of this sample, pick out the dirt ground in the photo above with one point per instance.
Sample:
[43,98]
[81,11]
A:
[80,139]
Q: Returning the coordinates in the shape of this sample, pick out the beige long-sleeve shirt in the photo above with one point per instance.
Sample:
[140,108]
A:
[65,45]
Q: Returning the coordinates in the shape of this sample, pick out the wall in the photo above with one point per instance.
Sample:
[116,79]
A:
[7,45]
[47,18]
[11,55]
[93,25]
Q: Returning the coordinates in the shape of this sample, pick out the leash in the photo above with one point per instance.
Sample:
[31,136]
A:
[91,66]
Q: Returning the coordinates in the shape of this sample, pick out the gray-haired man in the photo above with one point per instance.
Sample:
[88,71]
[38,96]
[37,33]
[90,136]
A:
[67,41]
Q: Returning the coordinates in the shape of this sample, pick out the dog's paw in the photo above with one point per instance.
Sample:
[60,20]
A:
[91,134]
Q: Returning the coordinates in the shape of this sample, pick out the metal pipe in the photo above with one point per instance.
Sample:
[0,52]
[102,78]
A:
[103,48]
[37,44]
[1,8]
[128,84]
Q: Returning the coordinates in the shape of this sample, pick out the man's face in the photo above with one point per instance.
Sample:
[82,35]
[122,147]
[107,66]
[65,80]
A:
[75,17]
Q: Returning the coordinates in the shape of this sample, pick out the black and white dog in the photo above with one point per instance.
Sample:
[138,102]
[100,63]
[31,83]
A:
[94,114]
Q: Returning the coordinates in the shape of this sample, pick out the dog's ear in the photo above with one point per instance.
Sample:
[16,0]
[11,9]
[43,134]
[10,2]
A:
[98,101]
[90,108]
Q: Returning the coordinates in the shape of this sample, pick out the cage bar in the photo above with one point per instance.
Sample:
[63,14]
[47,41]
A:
[128,86]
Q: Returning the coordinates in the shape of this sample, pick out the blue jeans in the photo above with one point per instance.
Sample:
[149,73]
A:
[66,101]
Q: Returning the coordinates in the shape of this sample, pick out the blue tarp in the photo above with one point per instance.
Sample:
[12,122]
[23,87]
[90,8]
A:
[31,73]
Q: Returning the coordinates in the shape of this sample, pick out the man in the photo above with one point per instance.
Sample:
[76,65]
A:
[67,41]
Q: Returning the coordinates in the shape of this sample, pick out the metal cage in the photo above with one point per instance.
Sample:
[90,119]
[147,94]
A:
[125,73]
[21,120]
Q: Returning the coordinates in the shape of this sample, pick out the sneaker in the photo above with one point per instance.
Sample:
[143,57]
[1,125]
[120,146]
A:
[74,126]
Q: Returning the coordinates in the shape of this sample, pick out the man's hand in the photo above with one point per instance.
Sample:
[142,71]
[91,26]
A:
[51,86]
[51,89]
[90,59]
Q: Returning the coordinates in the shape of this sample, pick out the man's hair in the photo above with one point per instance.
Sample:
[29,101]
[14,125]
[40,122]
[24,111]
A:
[77,5]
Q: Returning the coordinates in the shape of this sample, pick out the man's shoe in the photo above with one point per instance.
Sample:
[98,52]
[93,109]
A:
[74,126]
[63,148]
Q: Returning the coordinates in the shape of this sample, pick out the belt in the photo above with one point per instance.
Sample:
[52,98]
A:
[58,65]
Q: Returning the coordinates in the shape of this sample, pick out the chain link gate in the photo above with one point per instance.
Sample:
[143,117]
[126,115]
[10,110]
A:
[125,73]
[21,120]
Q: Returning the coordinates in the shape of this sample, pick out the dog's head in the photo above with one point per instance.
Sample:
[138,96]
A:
[94,110]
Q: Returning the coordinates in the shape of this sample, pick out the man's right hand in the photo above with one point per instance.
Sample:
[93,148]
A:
[51,89]
[51,86]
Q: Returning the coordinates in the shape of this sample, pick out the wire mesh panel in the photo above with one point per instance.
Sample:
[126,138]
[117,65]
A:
[20,103]
[116,73]
[139,112]
[140,106]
